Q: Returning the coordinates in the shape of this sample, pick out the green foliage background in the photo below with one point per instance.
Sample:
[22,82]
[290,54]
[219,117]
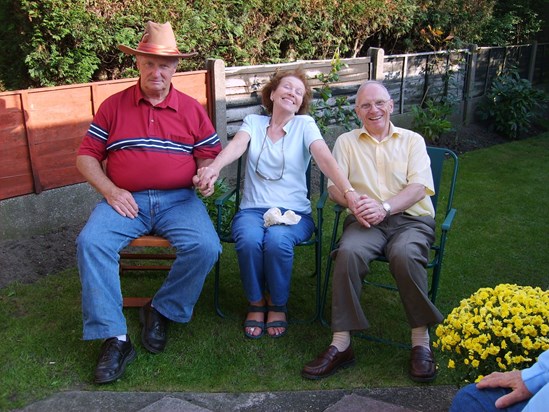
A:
[54,42]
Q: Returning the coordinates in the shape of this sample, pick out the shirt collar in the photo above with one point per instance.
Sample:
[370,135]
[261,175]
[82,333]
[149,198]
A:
[170,100]
[393,132]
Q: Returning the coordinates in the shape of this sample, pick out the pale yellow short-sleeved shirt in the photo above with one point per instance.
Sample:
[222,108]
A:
[382,169]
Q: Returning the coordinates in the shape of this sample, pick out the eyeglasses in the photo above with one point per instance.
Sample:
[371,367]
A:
[262,175]
[379,104]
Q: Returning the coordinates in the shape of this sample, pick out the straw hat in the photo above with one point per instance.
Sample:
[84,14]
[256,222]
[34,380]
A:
[158,40]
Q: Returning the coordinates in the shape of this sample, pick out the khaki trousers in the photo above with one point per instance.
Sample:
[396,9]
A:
[405,241]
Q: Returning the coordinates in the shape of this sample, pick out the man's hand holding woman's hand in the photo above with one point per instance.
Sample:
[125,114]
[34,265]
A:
[204,180]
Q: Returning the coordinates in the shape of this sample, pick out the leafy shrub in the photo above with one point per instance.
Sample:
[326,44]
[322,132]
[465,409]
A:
[221,187]
[54,42]
[329,110]
[513,22]
[431,121]
[512,104]
[61,43]
[68,41]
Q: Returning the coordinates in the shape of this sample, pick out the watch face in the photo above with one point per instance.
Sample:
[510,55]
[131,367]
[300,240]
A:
[386,206]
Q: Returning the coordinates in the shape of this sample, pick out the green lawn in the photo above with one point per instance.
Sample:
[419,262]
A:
[497,237]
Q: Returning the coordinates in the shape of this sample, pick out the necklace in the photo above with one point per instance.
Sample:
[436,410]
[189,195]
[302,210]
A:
[263,175]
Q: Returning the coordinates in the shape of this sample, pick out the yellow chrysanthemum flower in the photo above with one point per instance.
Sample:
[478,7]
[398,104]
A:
[499,328]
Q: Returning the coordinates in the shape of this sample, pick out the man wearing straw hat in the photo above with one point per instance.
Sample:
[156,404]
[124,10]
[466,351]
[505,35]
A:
[140,153]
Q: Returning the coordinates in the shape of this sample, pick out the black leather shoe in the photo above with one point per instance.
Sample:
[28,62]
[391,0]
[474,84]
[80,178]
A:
[115,355]
[328,363]
[153,334]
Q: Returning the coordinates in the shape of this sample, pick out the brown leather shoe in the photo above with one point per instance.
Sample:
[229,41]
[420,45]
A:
[328,363]
[422,365]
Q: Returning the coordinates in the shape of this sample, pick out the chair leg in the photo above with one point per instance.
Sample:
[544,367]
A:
[323,320]
[434,282]
[216,290]
[318,274]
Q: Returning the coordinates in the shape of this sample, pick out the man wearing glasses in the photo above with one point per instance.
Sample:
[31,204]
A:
[390,170]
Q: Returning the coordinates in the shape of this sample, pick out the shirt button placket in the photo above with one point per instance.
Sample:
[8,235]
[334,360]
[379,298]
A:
[152,122]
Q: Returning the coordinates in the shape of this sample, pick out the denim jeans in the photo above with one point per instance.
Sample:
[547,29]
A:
[266,254]
[179,216]
[471,399]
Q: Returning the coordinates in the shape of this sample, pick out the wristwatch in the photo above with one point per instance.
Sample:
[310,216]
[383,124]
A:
[387,208]
[350,189]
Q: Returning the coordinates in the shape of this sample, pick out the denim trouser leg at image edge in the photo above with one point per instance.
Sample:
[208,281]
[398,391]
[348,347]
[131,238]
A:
[265,255]
[107,232]
[471,399]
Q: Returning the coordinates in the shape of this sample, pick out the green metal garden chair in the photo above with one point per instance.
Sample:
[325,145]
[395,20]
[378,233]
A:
[438,157]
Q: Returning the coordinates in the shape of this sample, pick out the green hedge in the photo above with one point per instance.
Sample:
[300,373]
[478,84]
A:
[53,42]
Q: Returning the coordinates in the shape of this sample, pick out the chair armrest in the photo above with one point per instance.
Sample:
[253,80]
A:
[322,200]
[448,220]
[338,209]
[220,204]
[220,201]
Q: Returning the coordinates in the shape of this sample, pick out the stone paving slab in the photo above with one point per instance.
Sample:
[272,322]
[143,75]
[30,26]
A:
[409,399]
[356,403]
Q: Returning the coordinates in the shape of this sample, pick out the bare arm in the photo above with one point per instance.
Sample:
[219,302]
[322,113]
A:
[208,173]
[407,197]
[373,212]
[200,162]
[120,199]
[328,165]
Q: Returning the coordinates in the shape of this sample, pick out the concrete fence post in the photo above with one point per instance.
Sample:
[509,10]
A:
[216,69]
[469,84]
[377,55]
[532,63]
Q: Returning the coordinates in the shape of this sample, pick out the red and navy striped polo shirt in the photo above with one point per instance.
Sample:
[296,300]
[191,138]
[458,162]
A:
[150,147]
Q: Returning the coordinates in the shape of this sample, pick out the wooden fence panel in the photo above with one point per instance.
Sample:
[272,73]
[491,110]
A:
[56,121]
[519,57]
[413,78]
[243,84]
[493,60]
[41,130]
[15,164]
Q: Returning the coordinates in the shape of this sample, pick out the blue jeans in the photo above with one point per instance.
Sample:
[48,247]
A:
[266,255]
[179,216]
[471,399]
